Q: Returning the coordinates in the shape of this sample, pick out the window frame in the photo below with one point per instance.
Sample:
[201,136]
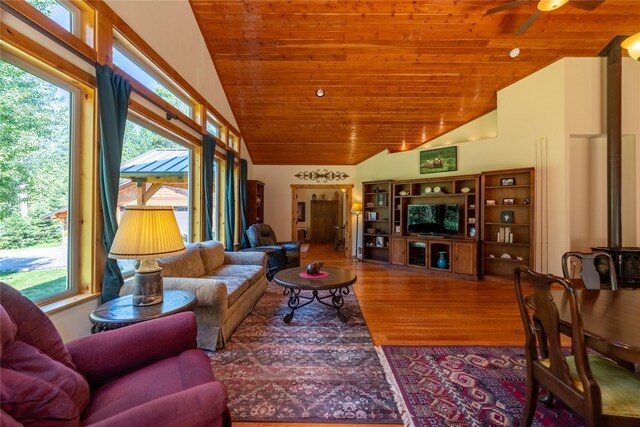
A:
[74,225]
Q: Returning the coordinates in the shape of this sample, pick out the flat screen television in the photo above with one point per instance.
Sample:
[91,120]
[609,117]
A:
[433,219]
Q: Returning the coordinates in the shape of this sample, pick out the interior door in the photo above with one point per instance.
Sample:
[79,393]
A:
[324,218]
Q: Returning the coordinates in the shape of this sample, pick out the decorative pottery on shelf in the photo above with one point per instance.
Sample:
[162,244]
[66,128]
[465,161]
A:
[370,204]
[427,190]
[465,190]
[437,189]
[403,193]
[442,260]
[258,201]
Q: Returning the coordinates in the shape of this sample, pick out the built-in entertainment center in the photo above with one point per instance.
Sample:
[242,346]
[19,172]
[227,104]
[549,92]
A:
[435,224]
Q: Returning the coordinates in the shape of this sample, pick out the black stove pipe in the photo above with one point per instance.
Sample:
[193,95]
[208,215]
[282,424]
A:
[614,144]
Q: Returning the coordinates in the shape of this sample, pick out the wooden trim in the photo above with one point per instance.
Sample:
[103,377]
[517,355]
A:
[87,22]
[104,39]
[45,25]
[163,122]
[22,46]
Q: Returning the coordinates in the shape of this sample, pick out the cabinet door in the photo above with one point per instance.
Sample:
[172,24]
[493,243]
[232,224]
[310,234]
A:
[464,258]
[398,251]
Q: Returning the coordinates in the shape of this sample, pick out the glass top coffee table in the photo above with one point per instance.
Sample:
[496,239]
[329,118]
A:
[334,280]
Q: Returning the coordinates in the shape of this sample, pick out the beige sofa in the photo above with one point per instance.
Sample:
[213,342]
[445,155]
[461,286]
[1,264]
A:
[226,284]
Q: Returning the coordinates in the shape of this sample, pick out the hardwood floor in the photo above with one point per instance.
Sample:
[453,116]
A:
[408,308]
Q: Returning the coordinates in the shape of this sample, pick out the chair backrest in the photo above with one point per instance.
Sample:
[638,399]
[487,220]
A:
[594,266]
[261,235]
[39,379]
[542,340]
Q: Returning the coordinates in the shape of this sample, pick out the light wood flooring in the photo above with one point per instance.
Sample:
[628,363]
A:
[409,308]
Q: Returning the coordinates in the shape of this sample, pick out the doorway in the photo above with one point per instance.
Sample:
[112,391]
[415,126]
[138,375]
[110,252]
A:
[331,208]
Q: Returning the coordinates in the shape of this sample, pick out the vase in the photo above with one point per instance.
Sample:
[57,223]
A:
[442,260]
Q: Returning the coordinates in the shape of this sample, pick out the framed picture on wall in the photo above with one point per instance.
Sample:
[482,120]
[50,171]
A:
[301,212]
[439,160]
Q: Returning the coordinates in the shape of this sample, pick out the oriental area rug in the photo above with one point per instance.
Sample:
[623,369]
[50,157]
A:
[467,386]
[316,369]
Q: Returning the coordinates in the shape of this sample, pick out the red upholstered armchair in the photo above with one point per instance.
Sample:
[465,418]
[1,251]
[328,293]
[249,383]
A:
[148,374]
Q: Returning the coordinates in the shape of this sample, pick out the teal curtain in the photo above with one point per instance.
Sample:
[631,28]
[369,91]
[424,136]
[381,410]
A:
[113,103]
[242,189]
[230,202]
[209,148]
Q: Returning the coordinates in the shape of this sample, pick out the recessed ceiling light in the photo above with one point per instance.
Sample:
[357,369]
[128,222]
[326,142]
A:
[514,52]
[320,92]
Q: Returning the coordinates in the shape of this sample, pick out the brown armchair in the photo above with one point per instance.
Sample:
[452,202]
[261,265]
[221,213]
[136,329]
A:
[146,374]
[287,254]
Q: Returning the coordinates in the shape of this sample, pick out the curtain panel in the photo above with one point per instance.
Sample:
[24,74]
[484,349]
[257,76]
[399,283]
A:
[113,104]
[242,188]
[209,148]
[230,202]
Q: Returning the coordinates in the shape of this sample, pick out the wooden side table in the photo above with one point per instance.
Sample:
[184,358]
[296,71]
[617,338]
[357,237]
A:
[121,312]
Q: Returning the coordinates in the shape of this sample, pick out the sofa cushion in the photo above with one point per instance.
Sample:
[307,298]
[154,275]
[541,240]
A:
[238,279]
[187,264]
[212,253]
[172,375]
[34,387]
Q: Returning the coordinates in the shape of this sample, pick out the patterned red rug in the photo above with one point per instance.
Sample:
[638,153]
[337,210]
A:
[316,369]
[467,386]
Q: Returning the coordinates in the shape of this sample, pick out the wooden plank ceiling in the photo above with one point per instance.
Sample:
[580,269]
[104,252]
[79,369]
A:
[395,73]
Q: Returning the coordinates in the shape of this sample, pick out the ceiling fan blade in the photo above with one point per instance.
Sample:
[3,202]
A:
[529,22]
[514,3]
[586,4]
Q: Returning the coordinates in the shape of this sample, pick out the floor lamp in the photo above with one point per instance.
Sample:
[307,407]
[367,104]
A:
[356,208]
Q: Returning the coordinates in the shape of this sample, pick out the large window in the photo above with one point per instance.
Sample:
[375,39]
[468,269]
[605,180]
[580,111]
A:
[131,64]
[154,172]
[36,205]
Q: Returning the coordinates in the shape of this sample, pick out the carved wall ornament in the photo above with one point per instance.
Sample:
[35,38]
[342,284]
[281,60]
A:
[318,176]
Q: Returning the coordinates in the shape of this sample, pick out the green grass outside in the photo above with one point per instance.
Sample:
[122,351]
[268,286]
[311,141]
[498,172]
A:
[36,284]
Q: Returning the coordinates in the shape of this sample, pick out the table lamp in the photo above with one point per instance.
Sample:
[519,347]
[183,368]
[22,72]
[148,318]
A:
[146,233]
[356,208]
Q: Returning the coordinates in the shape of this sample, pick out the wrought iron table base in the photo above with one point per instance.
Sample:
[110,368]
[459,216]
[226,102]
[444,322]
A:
[297,301]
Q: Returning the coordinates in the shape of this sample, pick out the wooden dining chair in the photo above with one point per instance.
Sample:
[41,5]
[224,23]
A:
[593,267]
[601,391]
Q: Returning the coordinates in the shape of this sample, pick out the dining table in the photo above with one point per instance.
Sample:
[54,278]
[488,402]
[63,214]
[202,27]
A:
[610,320]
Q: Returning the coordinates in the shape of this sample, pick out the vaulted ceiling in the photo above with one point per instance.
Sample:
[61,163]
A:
[395,73]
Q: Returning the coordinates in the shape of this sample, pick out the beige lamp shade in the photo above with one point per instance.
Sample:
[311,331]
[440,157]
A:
[147,232]
[356,207]
[549,5]
[632,44]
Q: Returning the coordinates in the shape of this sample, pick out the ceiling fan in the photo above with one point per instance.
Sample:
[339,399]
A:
[544,6]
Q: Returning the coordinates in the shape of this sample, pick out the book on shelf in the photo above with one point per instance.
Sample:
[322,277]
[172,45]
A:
[505,235]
